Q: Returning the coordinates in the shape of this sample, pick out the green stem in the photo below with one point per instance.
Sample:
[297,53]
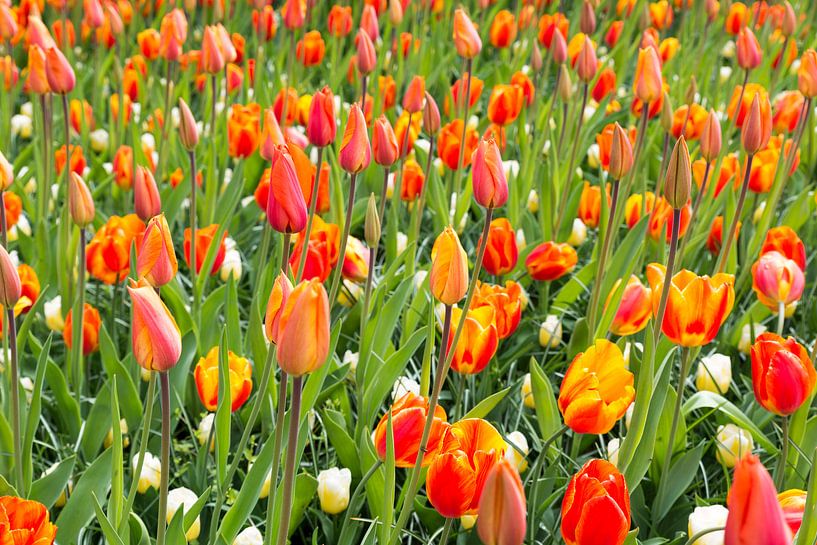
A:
[15,399]
[467,103]
[347,225]
[780,473]
[571,164]
[313,205]
[382,205]
[193,190]
[602,259]
[446,531]
[143,444]
[347,518]
[702,533]
[662,304]
[534,473]
[727,243]
[164,382]
[292,454]
[276,455]
[77,316]
[698,199]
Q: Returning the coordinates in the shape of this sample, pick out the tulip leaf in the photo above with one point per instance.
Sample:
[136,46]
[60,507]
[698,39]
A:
[48,488]
[78,511]
[808,531]
[222,418]
[107,529]
[117,480]
[710,400]
[210,331]
[484,407]
[126,389]
[66,410]
[388,487]
[34,412]
[680,476]
[175,530]
[341,441]
[547,411]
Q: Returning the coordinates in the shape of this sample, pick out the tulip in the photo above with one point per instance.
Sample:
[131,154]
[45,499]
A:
[80,201]
[456,476]
[58,71]
[505,104]
[714,374]
[449,268]
[415,95]
[366,55]
[37,80]
[783,376]
[188,131]
[157,342]
[732,443]
[558,48]
[204,238]
[621,154]
[502,510]
[321,127]
[506,301]
[356,261]
[711,137]
[679,175]
[25,522]
[408,416]
[183,498]
[793,503]
[501,251]
[586,62]
[777,280]
[748,49]
[303,329]
[503,29]
[275,306]
[333,489]
[478,341]
[807,74]
[151,473]
[708,517]
[517,450]
[550,332]
[466,37]
[596,389]
[146,200]
[431,115]
[250,535]
[550,261]
[784,240]
[757,127]
[339,21]
[173,34]
[647,85]
[294,13]
[156,260]
[755,516]
[108,253]
[90,329]
[596,506]
[384,142]
[286,208]
[6,173]
[10,287]
[206,375]
[634,309]
[212,57]
[488,175]
[355,153]
[527,392]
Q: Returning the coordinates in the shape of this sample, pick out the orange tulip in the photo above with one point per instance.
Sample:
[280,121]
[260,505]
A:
[695,117]
[697,305]
[388,91]
[366,54]
[505,104]
[586,62]
[777,280]
[757,127]
[466,37]
[647,85]
[634,310]
[339,21]
[488,175]
[715,239]
[321,128]
[456,477]
[286,207]
[303,329]
[807,74]
[764,165]
[9,73]
[787,108]
[281,289]
[108,253]
[204,238]
[783,376]
[550,261]
[157,342]
[146,200]
[752,89]
[506,302]
[738,17]
[80,201]
[307,173]
[502,515]
[356,261]
[596,389]
[293,13]
[90,329]
[25,522]
[590,204]
[449,268]
[414,98]
[81,114]
[501,252]
[550,24]
[605,142]
[408,415]
[61,78]
[477,343]
[596,506]
[355,152]
[755,516]
[448,144]
[37,81]
[401,127]
[729,171]
[290,95]
[748,49]
[784,240]
[264,23]
[206,375]
[605,84]
[173,34]
[14,207]
[459,89]
[29,286]
[661,220]
[369,22]
[503,29]
[660,14]
[156,259]
[793,503]
[244,129]
[521,80]
[311,49]
[413,180]
[323,249]
[384,142]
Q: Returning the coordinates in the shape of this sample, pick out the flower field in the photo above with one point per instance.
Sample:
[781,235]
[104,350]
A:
[408,271]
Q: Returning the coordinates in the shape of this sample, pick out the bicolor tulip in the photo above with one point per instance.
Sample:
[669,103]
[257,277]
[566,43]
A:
[635,308]
[37,81]
[507,302]
[550,261]
[502,507]
[10,286]
[505,104]
[173,34]
[783,375]
[58,71]
[206,375]
[807,74]
[157,342]
[488,175]
[355,152]
[146,200]
[286,207]
[466,37]
[449,268]
[587,63]
[793,503]
[303,329]
[212,57]
[621,153]
[503,29]
[281,289]
[596,506]
[80,201]
[408,416]
[321,127]
[384,143]
[478,341]
[710,144]
[501,250]
[188,131]
[431,115]
[156,260]
[204,238]
[783,239]
[108,253]
[366,55]
[777,280]
[748,49]
[449,141]
[648,85]
[413,100]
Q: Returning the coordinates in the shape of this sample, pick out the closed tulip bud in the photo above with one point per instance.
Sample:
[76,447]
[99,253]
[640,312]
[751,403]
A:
[188,131]
[333,489]
[156,341]
[321,127]
[558,48]
[271,136]
[286,207]
[8,23]
[648,84]
[789,24]
[431,115]
[395,12]
[366,56]
[666,114]
[536,60]
[502,511]
[10,286]
[355,152]
[303,329]
[692,90]
[587,64]
[757,127]
[294,14]
[6,173]
[371,227]
[80,201]
[37,77]
[587,18]
[384,142]
[565,89]
[212,58]
[679,175]
[807,74]
[61,78]
[731,444]
[275,306]
[156,261]
[488,175]
[621,154]
[711,137]
[748,49]
[415,95]
[466,36]
[755,516]
[146,200]
[714,374]
[449,268]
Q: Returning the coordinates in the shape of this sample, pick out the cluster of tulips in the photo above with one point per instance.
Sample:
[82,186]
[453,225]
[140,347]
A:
[302,350]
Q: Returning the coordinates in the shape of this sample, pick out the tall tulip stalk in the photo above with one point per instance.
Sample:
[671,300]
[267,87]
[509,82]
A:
[468,45]
[10,293]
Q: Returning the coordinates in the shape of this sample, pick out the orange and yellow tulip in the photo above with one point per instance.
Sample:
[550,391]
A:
[413,180]
[323,249]
[550,261]
[634,309]
[505,300]
[505,103]
[303,329]
[793,503]
[244,129]
[408,416]
[477,343]
[286,207]
[784,240]
[466,37]
[157,342]
[90,329]
[503,29]
[355,152]
[204,238]
[108,253]
[311,49]
[501,251]
[448,277]
[156,260]
[206,375]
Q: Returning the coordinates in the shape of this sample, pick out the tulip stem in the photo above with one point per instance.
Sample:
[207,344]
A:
[571,164]
[467,103]
[77,316]
[15,399]
[347,225]
[164,384]
[727,244]
[421,202]
[698,199]
[446,531]
[276,455]
[364,84]
[193,188]
[695,537]
[780,471]
[534,476]
[602,259]
[662,305]
[381,208]
[43,195]
[289,469]
[143,444]
[686,361]
[781,316]
[313,205]
[439,379]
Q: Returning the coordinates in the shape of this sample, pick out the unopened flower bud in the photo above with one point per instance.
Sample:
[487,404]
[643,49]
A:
[10,287]
[666,114]
[789,25]
[371,227]
[188,132]
[587,63]
[587,18]
[679,175]
[431,115]
[692,90]
[80,201]
[565,85]
[756,129]
[621,153]
[711,137]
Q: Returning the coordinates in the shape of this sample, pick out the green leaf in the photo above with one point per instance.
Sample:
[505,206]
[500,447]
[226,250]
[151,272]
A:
[107,530]
[382,382]
[222,419]
[709,400]
[117,478]
[48,488]
[78,511]
[485,406]
[679,478]
[341,441]
[127,391]
[388,488]
[547,411]
[34,411]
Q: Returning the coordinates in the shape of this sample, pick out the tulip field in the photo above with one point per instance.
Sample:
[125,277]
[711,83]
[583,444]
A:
[404,272]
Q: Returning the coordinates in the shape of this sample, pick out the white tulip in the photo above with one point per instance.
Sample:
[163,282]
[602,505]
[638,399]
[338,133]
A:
[706,518]
[731,443]
[714,374]
[517,451]
[186,498]
[333,489]
[550,332]
[151,474]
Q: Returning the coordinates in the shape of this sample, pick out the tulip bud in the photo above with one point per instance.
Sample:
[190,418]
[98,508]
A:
[8,23]
[692,90]
[333,488]
[449,268]
[488,175]
[807,74]
[536,61]
[711,137]
[366,56]
[587,18]
[384,142]
[146,200]
[80,201]
[708,517]
[156,341]
[371,227]
[37,77]
[10,287]
[647,85]
[558,48]
[621,154]
[666,114]
[714,374]
[755,516]
[712,7]
[395,12]
[183,498]
[60,75]
[156,261]
[587,63]
[303,329]
[6,173]
[369,22]
[212,58]
[415,94]
[321,127]
[466,37]
[502,512]
[679,175]
[756,129]
[431,115]
[188,132]
[731,444]
[293,14]
[748,49]
[789,25]
[565,85]
[355,152]
[286,208]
